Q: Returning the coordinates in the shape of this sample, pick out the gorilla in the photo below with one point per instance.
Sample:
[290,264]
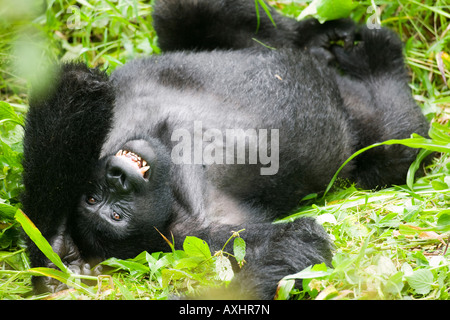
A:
[229,128]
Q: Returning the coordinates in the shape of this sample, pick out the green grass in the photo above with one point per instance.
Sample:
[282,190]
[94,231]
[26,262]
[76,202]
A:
[389,244]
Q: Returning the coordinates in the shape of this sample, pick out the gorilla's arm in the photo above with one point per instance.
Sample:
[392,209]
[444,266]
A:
[235,24]
[65,129]
[219,24]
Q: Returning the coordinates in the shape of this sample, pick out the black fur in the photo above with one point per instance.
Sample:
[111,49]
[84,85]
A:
[326,101]
[71,119]
[221,24]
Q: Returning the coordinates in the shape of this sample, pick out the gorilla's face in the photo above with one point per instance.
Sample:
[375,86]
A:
[127,199]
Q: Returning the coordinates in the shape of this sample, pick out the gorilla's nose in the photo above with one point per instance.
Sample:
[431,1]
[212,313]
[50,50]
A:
[122,176]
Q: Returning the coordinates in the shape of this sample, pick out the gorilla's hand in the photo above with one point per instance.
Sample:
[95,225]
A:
[319,38]
[64,246]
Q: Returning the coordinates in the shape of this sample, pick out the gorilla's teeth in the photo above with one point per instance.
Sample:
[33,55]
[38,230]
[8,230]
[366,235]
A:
[135,159]
[143,170]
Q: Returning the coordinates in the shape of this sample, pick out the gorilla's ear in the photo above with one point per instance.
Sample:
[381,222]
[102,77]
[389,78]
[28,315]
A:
[64,132]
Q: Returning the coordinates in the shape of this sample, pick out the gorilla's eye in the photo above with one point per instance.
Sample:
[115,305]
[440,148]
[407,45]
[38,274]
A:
[91,200]
[116,216]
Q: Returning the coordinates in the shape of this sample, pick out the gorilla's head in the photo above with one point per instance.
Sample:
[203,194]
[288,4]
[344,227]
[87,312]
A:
[127,201]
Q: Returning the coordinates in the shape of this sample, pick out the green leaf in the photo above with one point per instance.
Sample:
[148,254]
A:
[439,132]
[134,268]
[13,136]
[354,228]
[189,262]
[439,185]
[421,281]
[310,196]
[239,249]
[284,288]
[224,269]
[123,289]
[7,113]
[324,10]
[169,275]
[70,279]
[7,211]
[36,236]
[311,272]
[415,166]
[443,220]
[196,247]
[432,8]
[406,229]
[49,272]
[420,259]
[394,284]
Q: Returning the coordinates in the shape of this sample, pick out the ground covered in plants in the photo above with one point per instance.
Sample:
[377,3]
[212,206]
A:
[389,244]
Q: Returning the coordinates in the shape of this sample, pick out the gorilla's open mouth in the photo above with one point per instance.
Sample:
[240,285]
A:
[136,161]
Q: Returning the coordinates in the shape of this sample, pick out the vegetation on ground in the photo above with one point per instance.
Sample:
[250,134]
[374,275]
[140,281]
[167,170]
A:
[389,244]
